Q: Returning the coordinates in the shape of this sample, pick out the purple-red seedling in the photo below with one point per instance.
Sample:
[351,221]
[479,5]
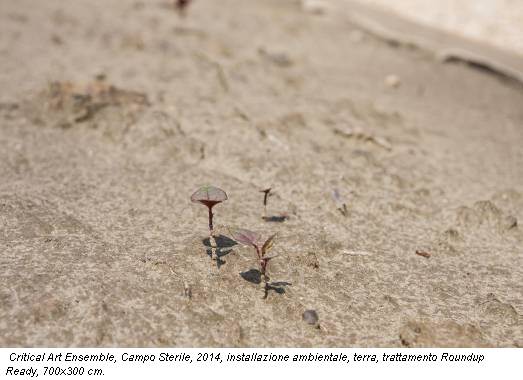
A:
[254,240]
[209,196]
[266,193]
[273,218]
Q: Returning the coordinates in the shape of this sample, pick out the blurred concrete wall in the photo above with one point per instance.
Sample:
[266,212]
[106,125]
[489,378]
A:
[497,22]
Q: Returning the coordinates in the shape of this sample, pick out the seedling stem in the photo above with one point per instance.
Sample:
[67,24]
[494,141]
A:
[211,229]
[210,196]
[266,193]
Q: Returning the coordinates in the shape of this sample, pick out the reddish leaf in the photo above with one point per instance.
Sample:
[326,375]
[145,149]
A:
[246,237]
[268,244]
[209,196]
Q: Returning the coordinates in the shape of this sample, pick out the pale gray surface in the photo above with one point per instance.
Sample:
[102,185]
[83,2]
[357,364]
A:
[99,240]
[497,22]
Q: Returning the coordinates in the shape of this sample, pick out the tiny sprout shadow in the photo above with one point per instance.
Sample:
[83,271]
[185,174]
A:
[271,218]
[276,218]
[277,286]
[223,247]
[254,276]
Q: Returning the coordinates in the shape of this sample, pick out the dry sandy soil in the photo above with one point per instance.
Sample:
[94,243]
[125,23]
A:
[113,113]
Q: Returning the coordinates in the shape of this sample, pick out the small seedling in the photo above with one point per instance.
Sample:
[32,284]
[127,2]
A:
[266,194]
[273,218]
[340,204]
[187,290]
[253,239]
[210,196]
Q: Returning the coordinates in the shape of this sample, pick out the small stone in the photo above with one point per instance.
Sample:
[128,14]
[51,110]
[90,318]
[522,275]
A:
[311,317]
[392,81]
[510,222]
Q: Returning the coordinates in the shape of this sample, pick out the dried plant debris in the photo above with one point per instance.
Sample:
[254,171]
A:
[65,104]
[423,254]
[357,253]
[311,260]
[359,134]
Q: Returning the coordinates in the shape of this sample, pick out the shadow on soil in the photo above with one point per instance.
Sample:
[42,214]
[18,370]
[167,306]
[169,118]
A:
[254,276]
[276,218]
[224,246]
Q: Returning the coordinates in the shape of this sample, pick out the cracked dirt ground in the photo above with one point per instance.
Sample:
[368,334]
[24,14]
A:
[112,114]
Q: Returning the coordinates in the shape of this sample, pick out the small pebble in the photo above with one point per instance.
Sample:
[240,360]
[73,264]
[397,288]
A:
[311,317]
[392,81]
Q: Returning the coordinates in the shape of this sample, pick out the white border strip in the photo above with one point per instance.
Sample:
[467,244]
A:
[136,363]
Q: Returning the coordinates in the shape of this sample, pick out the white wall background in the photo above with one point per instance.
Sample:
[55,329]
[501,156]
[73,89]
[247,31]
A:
[498,22]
